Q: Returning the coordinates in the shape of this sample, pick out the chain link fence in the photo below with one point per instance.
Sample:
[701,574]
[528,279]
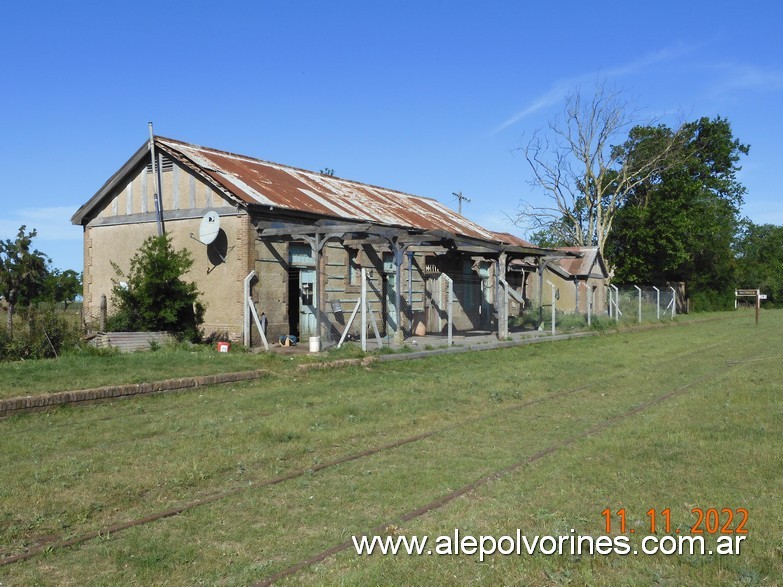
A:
[640,304]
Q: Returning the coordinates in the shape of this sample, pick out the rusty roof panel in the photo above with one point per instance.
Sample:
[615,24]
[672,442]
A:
[255,181]
[507,237]
[585,264]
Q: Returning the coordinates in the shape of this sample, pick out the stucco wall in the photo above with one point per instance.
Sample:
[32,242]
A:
[127,217]
[568,293]
[423,294]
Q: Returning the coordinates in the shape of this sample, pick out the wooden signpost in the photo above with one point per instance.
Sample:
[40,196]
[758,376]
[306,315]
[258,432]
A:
[751,293]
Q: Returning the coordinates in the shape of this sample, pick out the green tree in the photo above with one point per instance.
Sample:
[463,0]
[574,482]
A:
[62,287]
[680,223]
[549,238]
[22,272]
[760,259]
[154,296]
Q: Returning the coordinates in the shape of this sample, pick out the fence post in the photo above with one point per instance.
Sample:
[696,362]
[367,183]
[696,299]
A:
[657,303]
[639,289]
[616,302]
[674,301]
[758,305]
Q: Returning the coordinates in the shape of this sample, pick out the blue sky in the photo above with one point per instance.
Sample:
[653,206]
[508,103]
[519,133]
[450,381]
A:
[425,97]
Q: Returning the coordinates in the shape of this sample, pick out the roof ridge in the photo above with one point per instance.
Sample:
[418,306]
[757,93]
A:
[303,170]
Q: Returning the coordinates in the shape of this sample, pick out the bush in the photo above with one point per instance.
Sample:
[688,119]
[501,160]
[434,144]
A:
[156,298]
[527,321]
[42,333]
[711,301]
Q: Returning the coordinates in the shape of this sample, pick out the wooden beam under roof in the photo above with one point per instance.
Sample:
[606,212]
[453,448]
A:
[291,229]
[357,234]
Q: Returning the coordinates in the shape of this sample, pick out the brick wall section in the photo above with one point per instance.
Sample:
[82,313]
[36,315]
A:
[270,292]
[19,405]
[245,251]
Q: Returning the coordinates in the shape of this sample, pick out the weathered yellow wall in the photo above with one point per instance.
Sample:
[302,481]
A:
[127,216]
[567,301]
[221,283]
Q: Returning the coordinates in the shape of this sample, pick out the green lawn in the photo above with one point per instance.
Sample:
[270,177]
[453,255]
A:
[681,417]
[85,370]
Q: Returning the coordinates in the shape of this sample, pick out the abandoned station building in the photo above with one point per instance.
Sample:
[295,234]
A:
[294,244]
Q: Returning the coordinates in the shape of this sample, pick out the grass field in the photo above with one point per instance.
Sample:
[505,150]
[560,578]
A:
[271,473]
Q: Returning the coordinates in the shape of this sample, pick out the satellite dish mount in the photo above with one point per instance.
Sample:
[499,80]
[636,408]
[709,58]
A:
[209,233]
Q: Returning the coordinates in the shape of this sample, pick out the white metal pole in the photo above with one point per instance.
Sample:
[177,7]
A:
[616,302]
[450,306]
[246,321]
[364,310]
[639,289]
[156,184]
[657,303]
[674,301]
[350,322]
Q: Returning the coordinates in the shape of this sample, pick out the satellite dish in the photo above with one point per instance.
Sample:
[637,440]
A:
[209,227]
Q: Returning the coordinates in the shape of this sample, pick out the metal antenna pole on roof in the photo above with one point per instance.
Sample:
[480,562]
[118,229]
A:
[460,198]
[156,179]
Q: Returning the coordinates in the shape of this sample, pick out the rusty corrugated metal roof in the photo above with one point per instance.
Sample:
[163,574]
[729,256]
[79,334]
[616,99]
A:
[255,181]
[512,239]
[585,265]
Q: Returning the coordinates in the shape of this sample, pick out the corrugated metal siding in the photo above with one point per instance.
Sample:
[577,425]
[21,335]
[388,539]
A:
[128,342]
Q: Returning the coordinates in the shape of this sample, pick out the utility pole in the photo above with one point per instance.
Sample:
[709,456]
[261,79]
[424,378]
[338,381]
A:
[460,198]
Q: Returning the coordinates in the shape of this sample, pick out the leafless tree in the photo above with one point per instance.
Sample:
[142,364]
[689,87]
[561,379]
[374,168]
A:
[586,165]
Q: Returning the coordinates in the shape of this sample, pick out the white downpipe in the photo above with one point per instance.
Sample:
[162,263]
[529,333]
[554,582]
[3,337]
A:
[250,311]
[246,322]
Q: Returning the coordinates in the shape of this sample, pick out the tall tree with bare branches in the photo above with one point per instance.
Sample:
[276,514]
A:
[586,162]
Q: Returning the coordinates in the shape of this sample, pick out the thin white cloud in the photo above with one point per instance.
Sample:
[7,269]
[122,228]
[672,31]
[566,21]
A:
[664,55]
[741,77]
[562,87]
[552,97]
[51,224]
